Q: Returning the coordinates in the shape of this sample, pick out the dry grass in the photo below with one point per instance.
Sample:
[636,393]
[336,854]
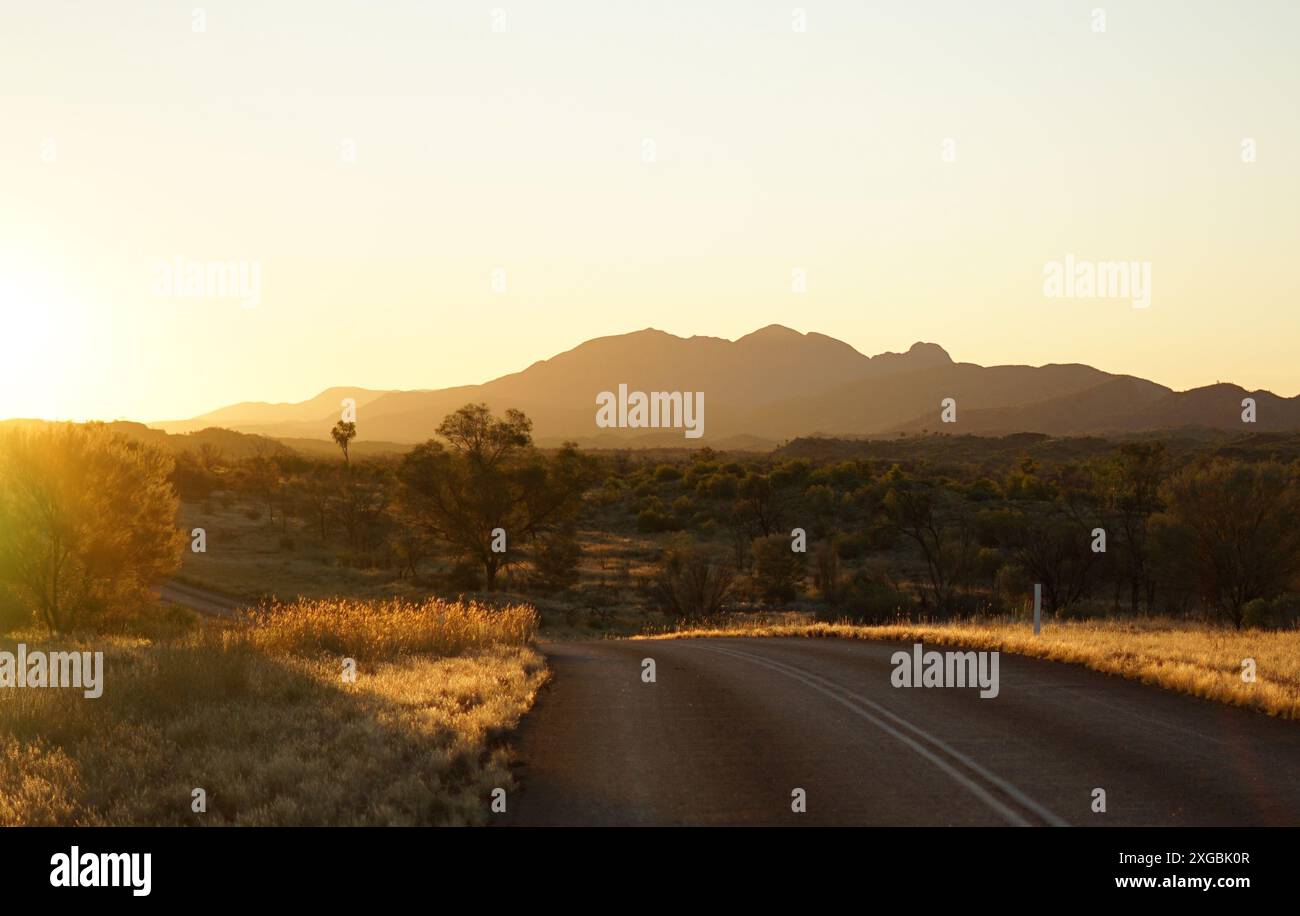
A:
[368,630]
[259,716]
[1198,660]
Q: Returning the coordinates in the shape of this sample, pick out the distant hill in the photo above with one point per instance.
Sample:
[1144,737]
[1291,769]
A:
[772,386]
[232,444]
[255,412]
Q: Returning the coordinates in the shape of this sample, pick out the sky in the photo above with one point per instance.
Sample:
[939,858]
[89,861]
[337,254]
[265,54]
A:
[435,193]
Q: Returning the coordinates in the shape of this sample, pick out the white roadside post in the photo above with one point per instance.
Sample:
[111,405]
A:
[1038,607]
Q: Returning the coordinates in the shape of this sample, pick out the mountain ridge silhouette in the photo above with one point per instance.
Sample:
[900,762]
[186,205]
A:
[776,384]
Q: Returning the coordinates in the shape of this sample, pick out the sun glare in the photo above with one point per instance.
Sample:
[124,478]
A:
[29,329]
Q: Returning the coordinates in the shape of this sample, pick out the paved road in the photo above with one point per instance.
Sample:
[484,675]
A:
[732,726]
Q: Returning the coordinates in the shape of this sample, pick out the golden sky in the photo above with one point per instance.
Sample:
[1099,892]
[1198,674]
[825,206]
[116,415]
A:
[128,138]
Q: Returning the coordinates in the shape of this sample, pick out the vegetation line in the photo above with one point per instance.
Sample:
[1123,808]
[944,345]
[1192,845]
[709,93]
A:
[1206,663]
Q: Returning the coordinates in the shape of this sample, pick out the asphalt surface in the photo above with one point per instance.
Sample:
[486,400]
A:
[731,727]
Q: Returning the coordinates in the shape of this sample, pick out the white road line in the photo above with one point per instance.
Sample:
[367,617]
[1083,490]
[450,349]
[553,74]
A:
[846,650]
[855,702]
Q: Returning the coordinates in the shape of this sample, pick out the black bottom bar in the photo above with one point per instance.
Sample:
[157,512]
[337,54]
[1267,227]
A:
[326,865]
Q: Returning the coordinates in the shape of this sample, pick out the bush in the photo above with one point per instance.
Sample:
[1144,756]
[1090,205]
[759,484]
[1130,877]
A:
[653,520]
[778,570]
[1014,584]
[555,562]
[1280,613]
[666,473]
[719,487]
[464,576]
[692,585]
[867,599]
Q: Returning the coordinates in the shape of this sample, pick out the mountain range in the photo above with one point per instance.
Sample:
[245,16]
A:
[772,385]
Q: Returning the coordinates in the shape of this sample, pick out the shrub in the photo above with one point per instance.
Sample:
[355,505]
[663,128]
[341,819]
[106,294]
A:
[464,576]
[555,562]
[778,570]
[1279,613]
[719,487]
[666,473]
[652,520]
[867,599]
[692,585]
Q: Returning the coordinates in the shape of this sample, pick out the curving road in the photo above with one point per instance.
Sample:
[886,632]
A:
[732,726]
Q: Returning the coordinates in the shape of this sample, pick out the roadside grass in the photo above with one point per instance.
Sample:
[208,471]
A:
[258,715]
[369,630]
[1202,661]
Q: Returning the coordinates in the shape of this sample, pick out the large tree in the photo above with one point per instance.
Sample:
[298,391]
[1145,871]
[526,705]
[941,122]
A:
[1229,528]
[87,520]
[485,476]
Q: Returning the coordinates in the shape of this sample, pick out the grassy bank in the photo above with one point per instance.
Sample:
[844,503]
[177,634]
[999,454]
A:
[1198,660]
[259,715]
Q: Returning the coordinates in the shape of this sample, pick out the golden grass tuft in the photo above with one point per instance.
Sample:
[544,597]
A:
[1202,661]
[372,630]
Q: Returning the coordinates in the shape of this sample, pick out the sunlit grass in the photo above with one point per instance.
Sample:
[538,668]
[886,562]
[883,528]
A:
[259,715]
[368,630]
[1202,661]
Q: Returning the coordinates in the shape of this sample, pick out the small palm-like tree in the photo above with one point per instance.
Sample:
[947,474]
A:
[344,433]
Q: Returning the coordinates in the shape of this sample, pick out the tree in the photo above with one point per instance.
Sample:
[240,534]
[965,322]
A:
[262,478]
[1129,487]
[1050,543]
[935,521]
[1230,528]
[87,521]
[343,433]
[211,457]
[487,479]
[408,541]
[758,507]
[360,503]
[826,575]
[318,488]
